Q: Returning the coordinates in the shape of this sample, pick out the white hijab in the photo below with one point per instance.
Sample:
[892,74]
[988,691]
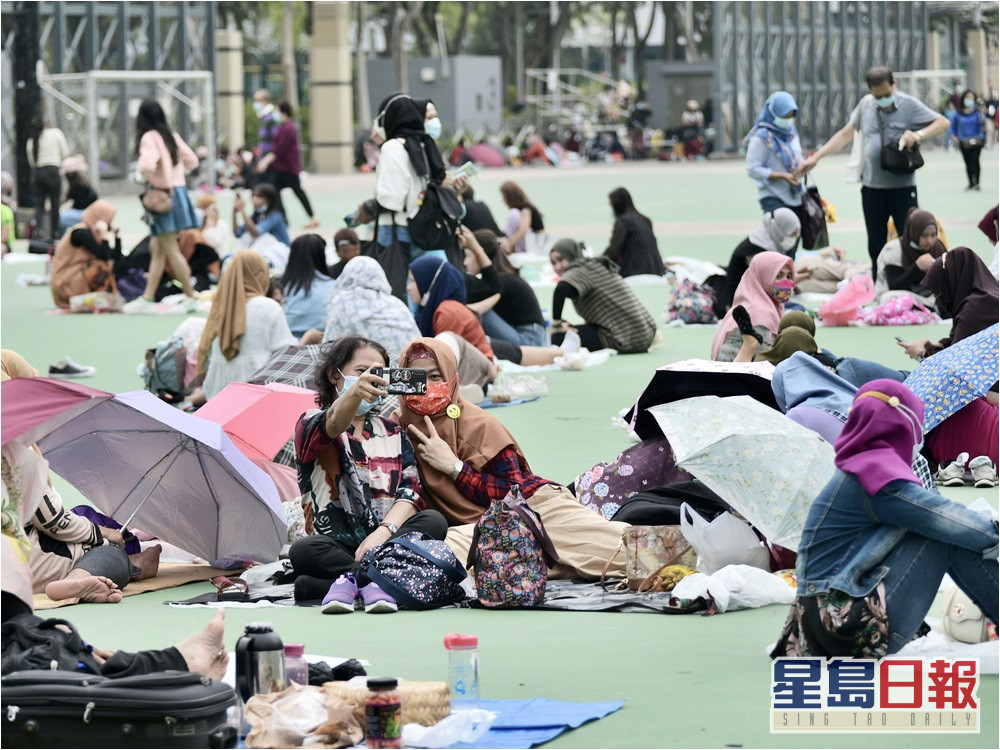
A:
[777,231]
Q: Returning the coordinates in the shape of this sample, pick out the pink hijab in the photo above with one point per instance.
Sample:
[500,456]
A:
[876,444]
[754,293]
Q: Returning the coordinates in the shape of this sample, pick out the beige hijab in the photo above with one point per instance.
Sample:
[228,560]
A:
[246,276]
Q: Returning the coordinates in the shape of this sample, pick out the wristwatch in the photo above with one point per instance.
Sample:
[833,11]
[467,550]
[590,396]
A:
[393,528]
[456,469]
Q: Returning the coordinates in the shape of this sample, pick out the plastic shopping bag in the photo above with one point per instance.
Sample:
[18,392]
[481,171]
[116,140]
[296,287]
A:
[726,540]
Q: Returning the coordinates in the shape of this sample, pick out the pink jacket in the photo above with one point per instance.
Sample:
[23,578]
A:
[155,164]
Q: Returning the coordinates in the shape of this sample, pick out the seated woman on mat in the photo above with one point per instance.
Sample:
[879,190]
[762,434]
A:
[306,285]
[359,480]
[758,305]
[633,245]
[362,303]
[904,261]
[23,490]
[778,232]
[963,285]
[266,219]
[438,289]
[68,555]
[614,318]
[796,330]
[506,303]
[523,224]
[467,459]
[84,260]
[876,544]
[244,327]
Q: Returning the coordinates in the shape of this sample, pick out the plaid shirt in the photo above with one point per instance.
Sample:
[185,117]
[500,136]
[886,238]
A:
[497,477]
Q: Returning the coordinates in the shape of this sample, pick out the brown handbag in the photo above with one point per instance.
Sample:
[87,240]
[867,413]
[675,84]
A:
[157,200]
[647,550]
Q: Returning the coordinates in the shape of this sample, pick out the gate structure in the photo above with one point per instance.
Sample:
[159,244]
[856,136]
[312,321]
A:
[818,51]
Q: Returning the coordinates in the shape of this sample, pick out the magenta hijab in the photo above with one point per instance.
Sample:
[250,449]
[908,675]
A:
[754,293]
[877,442]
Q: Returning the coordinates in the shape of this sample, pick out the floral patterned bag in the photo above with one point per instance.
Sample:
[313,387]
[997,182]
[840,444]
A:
[648,549]
[511,554]
[417,571]
[690,303]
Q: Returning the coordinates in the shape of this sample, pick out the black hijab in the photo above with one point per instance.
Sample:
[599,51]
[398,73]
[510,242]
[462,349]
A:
[400,117]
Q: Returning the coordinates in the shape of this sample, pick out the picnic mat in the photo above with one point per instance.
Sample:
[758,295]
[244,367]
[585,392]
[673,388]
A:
[168,576]
[526,723]
[580,596]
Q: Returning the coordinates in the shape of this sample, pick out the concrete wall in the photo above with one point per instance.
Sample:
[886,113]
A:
[671,84]
[470,97]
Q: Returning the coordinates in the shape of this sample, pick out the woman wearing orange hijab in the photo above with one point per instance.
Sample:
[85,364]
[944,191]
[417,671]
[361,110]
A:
[83,261]
[467,459]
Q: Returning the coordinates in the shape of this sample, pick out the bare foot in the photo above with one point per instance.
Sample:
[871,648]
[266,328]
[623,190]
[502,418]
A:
[204,652]
[147,561]
[312,224]
[88,588]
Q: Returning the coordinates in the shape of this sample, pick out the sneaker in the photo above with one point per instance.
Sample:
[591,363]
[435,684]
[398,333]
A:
[67,368]
[984,472]
[377,601]
[952,475]
[139,305]
[189,304]
[341,596]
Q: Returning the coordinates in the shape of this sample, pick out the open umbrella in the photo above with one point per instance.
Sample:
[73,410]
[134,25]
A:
[150,465]
[293,365]
[259,419]
[766,466]
[486,155]
[956,376]
[699,377]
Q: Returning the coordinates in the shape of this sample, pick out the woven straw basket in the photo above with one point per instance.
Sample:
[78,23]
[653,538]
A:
[424,703]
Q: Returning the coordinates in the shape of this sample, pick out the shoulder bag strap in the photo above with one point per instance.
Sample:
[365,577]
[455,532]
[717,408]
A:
[452,569]
[619,548]
[534,522]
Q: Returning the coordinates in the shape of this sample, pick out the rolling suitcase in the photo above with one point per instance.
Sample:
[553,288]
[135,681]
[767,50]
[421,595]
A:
[43,708]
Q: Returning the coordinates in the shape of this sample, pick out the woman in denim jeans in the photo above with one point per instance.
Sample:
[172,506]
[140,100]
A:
[876,544]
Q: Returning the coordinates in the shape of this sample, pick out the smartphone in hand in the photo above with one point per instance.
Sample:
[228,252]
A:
[405,381]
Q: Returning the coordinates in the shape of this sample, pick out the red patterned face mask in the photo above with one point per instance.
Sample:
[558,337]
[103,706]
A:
[433,402]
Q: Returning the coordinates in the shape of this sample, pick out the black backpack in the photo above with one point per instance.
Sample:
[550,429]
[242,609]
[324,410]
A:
[433,227]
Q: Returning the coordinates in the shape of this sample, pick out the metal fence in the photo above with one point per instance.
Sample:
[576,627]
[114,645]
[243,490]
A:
[818,51]
[96,111]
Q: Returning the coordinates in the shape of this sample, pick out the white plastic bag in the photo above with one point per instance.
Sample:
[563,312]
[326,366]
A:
[736,587]
[724,541]
[460,726]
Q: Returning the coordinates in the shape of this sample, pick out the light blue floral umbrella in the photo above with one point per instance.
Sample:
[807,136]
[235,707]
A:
[956,376]
[769,468]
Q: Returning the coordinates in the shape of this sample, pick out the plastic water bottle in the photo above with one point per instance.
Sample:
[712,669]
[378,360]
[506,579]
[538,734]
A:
[296,667]
[463,670]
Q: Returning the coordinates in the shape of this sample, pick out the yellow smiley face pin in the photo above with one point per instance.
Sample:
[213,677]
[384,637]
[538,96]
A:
[454,411]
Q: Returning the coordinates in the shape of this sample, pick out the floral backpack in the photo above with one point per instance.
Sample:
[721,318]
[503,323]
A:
[511,554]
[904,310]
[417,571]
[690,303]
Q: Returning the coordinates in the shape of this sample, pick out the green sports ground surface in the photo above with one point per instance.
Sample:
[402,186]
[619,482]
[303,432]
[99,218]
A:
[688,681]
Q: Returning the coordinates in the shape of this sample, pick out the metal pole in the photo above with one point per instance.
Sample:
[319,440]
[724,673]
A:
[27,95]
[717,70]
[208,128]
[93,146]
[519,50]
[817,133]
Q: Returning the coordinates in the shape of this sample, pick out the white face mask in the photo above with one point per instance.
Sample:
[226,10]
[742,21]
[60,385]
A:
[433,127]
[378,130]
[969,103]
[258,107]
[785,123]
[885,102]
[788,242]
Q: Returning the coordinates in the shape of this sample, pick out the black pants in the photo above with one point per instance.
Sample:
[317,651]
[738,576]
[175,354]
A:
[971,157]
[284,180]
[319,560]
[879,204]
[589,337]
[48,184]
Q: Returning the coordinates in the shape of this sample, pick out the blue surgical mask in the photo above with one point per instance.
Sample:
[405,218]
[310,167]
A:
[885,101]
[969,103]
[785,123]
[433,128]
[365,406]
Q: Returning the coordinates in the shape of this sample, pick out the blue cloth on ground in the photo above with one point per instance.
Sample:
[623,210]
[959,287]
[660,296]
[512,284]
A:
[526,723]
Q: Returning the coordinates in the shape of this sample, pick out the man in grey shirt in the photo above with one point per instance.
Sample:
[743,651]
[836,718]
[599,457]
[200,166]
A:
[890,117]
